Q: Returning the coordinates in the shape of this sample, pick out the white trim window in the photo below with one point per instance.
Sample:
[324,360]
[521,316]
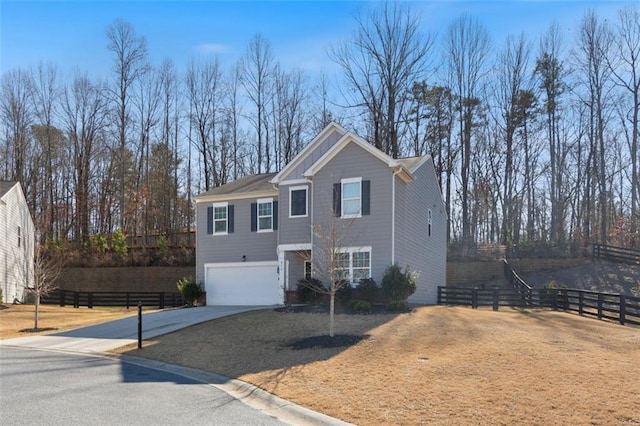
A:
[298,201]
[265,215]
[354,264]
[220,218]
[351,203]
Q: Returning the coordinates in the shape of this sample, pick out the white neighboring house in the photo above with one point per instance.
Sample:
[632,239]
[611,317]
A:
[17,235]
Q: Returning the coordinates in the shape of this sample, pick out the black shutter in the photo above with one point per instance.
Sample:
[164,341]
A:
[230,219]
[274,211]
[366,197]
[254,217]
[337,199]
[210,220]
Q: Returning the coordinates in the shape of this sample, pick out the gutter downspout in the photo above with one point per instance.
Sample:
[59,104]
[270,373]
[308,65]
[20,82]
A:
[393,215]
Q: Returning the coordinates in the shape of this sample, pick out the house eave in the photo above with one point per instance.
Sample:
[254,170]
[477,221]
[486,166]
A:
[235,196]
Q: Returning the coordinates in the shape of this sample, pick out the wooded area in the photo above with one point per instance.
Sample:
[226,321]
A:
[534,138]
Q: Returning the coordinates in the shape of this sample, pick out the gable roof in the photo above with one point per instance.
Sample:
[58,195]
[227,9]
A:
[298,159]
[244,187]
[397,166]
[5,186]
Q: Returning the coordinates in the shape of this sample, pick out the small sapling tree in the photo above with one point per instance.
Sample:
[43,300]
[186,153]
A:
[47,266]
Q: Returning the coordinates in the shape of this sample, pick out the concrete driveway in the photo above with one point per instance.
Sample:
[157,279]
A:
[111,335]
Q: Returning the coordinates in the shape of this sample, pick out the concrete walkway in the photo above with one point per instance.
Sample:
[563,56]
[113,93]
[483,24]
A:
[98,339]
[114,334]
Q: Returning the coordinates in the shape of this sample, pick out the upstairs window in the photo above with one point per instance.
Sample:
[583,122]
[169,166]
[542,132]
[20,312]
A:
[220,219]
[429,216]
[264,215]
[351,198]
[298,201]
[19,237]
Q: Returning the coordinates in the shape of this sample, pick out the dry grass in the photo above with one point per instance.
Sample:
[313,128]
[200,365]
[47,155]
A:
[17,320]
[437,365]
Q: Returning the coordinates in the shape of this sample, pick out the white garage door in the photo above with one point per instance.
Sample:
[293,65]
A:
[242,284]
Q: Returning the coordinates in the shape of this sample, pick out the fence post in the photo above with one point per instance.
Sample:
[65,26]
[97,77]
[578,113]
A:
[623,309]
[495,299]
[61,298]
[127,300]
[600,303]
[161,300]
[439,295]
[76,299]
[139,325]
[580,302]
[554,299]
[90,300]
[474,298]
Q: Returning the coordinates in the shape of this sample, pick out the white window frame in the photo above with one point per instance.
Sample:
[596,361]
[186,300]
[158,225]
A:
[258,216]
[226,218]
[429,222]
[306,200]
[351,251]
[342,198]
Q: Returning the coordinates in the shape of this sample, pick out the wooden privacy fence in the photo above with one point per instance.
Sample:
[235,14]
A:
[616,254]
[125,299]
[616,307]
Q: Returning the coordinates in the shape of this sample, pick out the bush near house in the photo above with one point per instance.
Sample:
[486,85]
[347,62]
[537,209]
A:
[189,289]
[397,284]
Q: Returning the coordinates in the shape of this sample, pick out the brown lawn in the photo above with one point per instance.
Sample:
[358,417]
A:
[17,320]
[436,365]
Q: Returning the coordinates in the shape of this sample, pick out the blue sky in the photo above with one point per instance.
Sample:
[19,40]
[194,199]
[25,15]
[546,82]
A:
[71,34]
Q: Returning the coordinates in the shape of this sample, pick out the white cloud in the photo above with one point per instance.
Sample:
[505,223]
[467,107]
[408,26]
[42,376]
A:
[212,48]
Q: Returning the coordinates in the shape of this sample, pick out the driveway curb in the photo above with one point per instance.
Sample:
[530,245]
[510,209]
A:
[247,393]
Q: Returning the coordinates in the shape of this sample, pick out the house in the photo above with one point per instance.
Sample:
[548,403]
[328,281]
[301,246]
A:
[16,242]
[257,236]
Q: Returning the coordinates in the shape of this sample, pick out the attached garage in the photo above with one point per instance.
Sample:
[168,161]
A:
[243,284]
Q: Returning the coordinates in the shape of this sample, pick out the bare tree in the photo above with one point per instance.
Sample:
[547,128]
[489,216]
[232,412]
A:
[385,57]
[513,63]
[624,63]
[17,116]
[205,92]
[256,78]
[46,270]
[594,40]
[130,63]
[84,116]
[467,49]
[330,236]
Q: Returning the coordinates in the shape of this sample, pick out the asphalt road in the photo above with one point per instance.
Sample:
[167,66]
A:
[55,388]
[66,379]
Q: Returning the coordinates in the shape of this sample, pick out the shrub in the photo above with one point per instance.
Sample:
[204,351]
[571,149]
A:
[189,290]
[368,289]
[119,242]
[398,284]
[345,292]
[352,303]
[306,292]
[99,243]
[362,306]
[554,285]
[163,249]
[397,306]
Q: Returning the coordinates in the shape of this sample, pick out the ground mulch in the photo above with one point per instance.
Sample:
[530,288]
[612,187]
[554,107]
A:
[434,365]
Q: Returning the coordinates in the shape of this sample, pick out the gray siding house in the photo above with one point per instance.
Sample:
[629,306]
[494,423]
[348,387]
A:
[17,236]
[256,237]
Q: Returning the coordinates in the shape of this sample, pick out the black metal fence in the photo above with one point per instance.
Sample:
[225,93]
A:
[616,254]
[616,307]
[124,299]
